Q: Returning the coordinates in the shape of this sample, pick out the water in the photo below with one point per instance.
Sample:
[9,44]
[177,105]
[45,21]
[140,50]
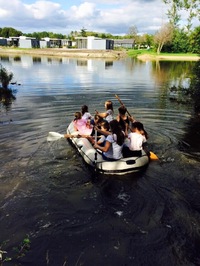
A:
[73,217]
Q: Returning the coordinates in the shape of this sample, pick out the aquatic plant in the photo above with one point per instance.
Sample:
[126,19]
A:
[5,77]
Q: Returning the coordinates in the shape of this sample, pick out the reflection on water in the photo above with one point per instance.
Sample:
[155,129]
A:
[47,192]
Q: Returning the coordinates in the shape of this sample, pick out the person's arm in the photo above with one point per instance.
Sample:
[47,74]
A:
[103,132]
[103,115]
[67,136]
[126,130]
[104,148]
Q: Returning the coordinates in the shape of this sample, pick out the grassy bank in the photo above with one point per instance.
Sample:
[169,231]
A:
[86,53]
[151,55]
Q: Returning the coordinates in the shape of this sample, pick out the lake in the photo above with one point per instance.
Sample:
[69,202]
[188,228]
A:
[71,216]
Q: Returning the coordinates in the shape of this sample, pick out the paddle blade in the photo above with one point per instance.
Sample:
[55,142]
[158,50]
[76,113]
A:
[153,156]
[53,136]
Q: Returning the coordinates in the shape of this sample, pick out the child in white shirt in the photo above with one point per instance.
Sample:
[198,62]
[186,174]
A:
[136,140]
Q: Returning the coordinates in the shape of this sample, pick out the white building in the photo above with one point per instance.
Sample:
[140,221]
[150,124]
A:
[27,42]
[94,43]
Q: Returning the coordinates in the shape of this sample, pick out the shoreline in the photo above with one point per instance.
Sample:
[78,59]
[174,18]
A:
[83,53]
[64,52]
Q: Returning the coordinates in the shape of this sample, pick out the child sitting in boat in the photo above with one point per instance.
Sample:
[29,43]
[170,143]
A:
[96,123]
[85,113]
[108,115]
[112,150]
[81,125]
[136,140]
[124,119]
[102,138]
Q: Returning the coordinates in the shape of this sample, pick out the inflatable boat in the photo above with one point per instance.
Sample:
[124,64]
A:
[94,158]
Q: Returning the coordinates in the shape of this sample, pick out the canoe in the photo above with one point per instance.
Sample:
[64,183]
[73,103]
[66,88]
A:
[93,158]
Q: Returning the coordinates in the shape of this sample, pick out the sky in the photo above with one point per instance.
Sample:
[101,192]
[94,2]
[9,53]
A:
[103,16]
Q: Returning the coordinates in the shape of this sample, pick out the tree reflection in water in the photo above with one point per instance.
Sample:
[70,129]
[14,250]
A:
[191,138]
[6,98]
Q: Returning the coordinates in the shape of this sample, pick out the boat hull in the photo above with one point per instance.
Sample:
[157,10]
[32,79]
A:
[94,158]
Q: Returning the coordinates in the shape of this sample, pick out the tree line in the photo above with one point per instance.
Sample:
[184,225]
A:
[167,39]
[171,37]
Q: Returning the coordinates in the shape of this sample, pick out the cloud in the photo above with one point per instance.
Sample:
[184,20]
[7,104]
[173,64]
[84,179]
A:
[84,11]
[61,16]
[43,9]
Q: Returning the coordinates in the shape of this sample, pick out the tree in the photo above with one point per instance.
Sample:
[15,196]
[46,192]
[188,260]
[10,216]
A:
[179,42]
[5,77]
[172,12]
[83,32]
[7,32]
[163,36]
[132,32]
[194,41]
[190,6]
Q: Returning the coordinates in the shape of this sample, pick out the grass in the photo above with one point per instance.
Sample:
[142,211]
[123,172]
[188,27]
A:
[135,53]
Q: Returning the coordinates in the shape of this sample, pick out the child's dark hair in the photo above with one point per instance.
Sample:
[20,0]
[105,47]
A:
[116,129]
[140,127]
[105,125]
[84,109]
[122,110]
[98,118]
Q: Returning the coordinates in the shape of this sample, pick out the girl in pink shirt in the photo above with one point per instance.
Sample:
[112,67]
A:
[81,125]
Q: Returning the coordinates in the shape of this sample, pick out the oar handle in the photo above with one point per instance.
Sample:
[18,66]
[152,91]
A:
[122,104]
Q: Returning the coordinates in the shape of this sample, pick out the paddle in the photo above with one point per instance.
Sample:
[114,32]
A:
[122,104]
[53,136]
[152,155]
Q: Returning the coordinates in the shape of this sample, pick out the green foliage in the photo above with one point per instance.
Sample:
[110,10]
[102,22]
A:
[83,32]
[194,41]
[43,34]
[19,251]
[23,248]
[195,86]
[188,95]
[179,43]
[9,32]
[190,8]
[5,77]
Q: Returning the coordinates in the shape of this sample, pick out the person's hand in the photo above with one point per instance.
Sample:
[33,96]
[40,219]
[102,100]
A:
[91,139]
[95,146]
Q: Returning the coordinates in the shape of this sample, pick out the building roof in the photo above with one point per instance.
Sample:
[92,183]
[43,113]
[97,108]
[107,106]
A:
[123,41]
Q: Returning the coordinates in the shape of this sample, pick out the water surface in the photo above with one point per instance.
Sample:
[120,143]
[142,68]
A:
[72,216]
